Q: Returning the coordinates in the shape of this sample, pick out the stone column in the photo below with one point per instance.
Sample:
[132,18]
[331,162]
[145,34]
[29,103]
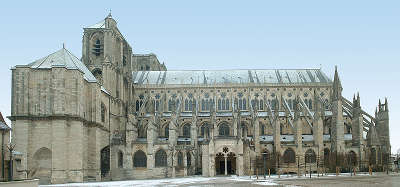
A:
[211,158]
[59,157]
[185,169]
[205,161]
[256,136]
[20,139]
[75,153]
[174,162]
[239,160]
[277,135]
[226,164]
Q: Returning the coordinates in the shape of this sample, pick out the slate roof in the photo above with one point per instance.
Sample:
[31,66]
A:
[3,124]
[209,77]
[62,58]
[99,25]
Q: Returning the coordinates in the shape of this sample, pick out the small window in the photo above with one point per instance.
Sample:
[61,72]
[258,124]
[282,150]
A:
[262,129]
[97,48]
[120,159]
[188,159]
[124,60]
[166,131]
[103,112]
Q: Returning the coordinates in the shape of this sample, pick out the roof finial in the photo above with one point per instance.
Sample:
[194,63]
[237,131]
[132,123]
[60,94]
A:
[109,14]
[63,45]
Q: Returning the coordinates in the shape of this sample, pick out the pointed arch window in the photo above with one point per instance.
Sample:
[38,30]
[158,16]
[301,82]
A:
[206,104]
[186,130]
[326,104]
[180,159]
[262,129]
[274,103]
[224,129]
[310,156]
[166,132]
[189,104]
[142,132]
[205,130]
[139,159]
[161,158]
[242,105]
[223,104]
[261,102]
[172,104]
[188,159]
[289,156]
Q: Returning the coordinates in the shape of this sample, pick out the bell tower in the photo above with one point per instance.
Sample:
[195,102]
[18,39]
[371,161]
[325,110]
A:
[108,56]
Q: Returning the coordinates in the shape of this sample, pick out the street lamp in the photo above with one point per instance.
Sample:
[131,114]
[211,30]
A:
[11,147]
[309,160]
[264,157]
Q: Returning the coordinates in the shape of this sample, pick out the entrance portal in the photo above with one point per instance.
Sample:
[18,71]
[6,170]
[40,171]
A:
[220,164]
[222,159]
[105,161]
[231,162]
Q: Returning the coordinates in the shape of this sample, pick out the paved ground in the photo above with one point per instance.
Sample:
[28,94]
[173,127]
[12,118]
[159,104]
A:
[380,180]
[344,180]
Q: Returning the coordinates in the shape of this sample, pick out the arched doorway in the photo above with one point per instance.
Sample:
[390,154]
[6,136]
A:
[105,161]
[220,164]
[225,163]
[231,163]
[352,158]
[289,156]
[42,165]
[372,157]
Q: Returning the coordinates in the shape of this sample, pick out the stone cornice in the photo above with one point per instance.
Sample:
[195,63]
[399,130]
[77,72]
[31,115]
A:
[58,117]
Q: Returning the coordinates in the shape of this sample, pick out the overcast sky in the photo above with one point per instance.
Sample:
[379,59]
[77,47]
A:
[361,37]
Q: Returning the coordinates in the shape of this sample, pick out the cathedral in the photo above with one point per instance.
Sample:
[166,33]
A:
[116,115]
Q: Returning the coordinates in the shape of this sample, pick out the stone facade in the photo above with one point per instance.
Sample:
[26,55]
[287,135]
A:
[118,115]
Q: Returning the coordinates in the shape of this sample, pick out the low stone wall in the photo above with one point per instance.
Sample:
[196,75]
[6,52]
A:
[24,183]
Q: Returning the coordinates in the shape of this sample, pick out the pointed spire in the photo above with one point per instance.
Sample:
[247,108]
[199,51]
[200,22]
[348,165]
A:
[337,86]
[376,112]
[379,105]
[386,104]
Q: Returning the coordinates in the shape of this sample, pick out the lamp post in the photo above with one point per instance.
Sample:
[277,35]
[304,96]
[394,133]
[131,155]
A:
[11,147]
[309,160]
[264,157]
